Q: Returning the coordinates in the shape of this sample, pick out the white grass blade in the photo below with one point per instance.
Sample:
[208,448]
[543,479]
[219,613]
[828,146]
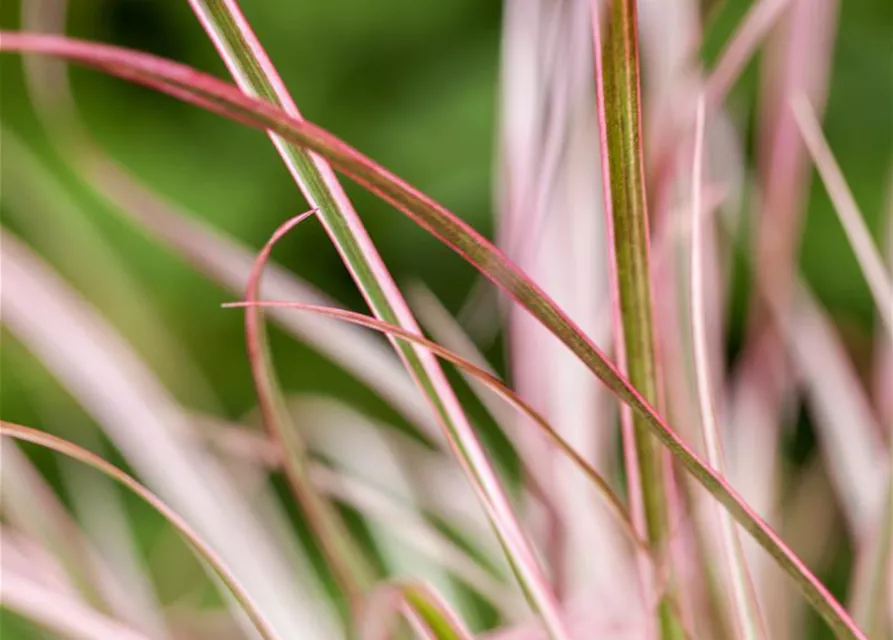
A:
[58,612]
[747,616]
[143,421]
[867,254]
[848,432]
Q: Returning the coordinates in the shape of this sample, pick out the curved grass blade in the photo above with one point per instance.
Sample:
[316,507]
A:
[200,89]
[208,554]
[423,607]
[255,74]
[616,506]
[348,564]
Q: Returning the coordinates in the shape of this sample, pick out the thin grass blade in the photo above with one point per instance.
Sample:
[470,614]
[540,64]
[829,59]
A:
[255,74]
[423,607]
[616,506]
[747,617]
[206,552]
[344,558]
[867,254]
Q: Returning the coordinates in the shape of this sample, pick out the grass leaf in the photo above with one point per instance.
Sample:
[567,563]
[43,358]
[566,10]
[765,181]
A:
[206,552]
[344,558]
[747,618]
[616,506]
[256,75]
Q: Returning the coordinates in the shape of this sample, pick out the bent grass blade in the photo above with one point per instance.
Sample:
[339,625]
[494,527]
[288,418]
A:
[207,553]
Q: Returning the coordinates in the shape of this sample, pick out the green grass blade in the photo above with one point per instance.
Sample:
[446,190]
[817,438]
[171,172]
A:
[617,90]
[346,561]
[420,604]
[255,74]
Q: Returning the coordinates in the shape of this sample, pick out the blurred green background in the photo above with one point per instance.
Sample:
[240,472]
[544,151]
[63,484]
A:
[411,83]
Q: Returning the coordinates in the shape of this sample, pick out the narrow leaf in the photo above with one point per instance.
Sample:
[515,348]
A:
[867,254]
[746,616]
[206,552]
[345,559]
[616,506]
[255,74]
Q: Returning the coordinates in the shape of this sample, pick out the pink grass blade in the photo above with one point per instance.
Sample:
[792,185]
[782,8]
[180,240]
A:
[197,88]
[614,503]
[206,552]
[551,225]
[746,614]
[219,257]
[255,74]
[345,559]
[760,18]
[31,505]
[424,609]
[117,390]
[867,254]
[413,531]
[59,612]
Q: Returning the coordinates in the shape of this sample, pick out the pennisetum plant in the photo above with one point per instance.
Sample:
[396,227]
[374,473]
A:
[689,536]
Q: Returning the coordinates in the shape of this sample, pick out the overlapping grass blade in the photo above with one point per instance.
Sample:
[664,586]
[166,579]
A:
[193,86]
[344,558]
[255,74]
[746,614]
[616,506]
[423,608]
[206,552]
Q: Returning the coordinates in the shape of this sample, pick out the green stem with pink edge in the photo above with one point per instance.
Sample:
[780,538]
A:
[617,88]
